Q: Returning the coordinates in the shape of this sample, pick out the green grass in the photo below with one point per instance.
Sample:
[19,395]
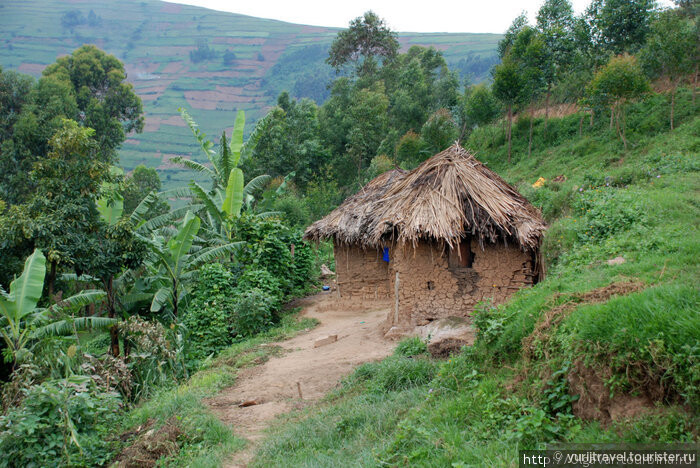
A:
[479,408]
[205,440]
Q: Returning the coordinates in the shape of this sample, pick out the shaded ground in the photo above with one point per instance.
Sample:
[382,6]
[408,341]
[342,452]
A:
[273,385]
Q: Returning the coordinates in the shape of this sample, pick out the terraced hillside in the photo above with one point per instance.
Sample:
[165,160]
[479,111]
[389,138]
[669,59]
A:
[209,61]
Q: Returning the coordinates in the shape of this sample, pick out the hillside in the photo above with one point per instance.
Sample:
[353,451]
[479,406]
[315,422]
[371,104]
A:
[212,62]
[604,350]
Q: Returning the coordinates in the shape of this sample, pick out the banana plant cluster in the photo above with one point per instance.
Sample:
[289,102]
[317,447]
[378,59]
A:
[229,193]
[23,324]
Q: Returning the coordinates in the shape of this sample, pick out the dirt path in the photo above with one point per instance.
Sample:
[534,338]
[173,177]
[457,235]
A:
[273,385]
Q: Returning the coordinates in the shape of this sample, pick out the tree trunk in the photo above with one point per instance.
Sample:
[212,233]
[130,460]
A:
[112,313]
[624,127]
[580,125]
[52,279]
[673,102]
[612,116]
[510,128]
[695,83]
[546,105]
[529,143]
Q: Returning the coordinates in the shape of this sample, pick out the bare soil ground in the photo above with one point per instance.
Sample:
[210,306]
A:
[273,385]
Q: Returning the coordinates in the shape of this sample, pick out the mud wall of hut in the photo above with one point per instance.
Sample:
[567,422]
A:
[360,273]
[425,288]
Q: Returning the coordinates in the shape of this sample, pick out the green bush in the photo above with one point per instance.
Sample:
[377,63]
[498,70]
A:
[209,315]
[264,281]
[605,212]
[252,312]
[413,346]
[59,423]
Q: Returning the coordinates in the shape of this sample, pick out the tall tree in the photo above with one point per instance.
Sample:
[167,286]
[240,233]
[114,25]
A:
[105,101]
[529,53]
[555,22]
[620,81]
[671,51]
[621,26]
[511,33]
[367,41]
[62,214]
[510,87]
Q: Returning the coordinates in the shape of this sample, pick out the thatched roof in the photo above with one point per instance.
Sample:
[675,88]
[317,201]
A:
[445,198]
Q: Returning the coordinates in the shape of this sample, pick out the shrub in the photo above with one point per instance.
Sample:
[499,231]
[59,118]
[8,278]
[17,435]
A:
[294,210]
[60,422]
[209,316]
[413,346]
[264,281]
[156,357]
[253,312]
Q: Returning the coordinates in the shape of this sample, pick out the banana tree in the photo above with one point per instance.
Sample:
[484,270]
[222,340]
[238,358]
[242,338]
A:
[22,323]
[229,193]
[176,261]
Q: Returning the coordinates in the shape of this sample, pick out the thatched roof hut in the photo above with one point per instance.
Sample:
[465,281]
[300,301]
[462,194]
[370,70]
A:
[447,197]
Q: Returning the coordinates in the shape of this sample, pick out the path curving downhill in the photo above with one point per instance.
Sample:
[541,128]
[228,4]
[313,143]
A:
[273,385]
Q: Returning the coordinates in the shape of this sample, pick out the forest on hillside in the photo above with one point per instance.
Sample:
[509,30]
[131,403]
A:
[123,306]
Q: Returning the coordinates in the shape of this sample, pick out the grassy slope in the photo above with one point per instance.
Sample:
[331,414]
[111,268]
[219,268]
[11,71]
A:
[154,39]
[478,408]
[205,441]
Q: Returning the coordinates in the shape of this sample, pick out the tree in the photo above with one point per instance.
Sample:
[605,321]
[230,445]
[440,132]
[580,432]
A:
[528,52]
[555,22]
[363,44]
[481,106]
[671,50]
[118,249]
[228,195]
[511,33]
[137,185]
[509,87]
[368,125]
[62,217]
[14,94]
[439,131]
[105,101]
[619,81]
[287,140]
[621,26]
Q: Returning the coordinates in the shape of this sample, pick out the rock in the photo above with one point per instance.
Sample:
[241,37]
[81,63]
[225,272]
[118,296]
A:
[326,272]
[447,335]
[325,341]
[616,261]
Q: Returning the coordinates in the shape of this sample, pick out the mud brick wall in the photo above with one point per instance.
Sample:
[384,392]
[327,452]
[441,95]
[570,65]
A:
[428,289]
[360,273]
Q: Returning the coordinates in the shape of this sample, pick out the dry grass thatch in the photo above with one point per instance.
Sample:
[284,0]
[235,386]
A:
[446,198]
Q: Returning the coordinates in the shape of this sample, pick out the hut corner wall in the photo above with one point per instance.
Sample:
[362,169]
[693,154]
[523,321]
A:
[361,274]
[428,289]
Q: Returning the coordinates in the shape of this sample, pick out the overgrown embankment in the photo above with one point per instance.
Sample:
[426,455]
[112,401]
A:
[605,349]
